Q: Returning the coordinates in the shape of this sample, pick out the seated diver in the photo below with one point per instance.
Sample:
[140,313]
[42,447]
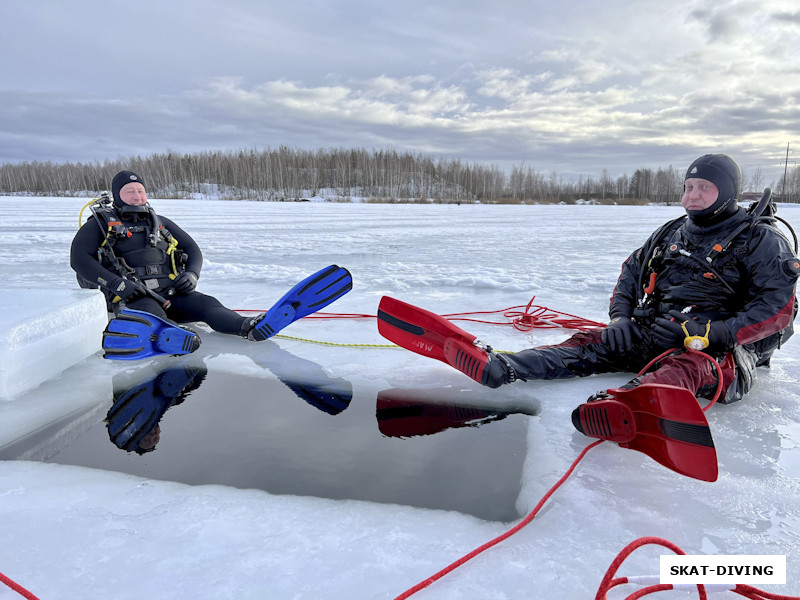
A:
[718,275]
[142,256]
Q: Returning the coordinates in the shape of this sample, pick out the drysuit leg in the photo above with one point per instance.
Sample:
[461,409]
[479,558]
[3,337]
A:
[582,354]
[585,354]
[684,369]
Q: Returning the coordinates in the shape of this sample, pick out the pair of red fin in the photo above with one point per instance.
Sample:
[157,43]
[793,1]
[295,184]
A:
[664,422]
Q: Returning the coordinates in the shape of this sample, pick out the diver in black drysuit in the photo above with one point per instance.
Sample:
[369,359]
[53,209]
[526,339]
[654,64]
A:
[744,297]
[127,250]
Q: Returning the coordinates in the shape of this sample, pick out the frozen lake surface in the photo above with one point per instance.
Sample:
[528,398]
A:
[79,532]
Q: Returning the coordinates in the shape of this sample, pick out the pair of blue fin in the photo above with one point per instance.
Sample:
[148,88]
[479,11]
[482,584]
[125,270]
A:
[136,334]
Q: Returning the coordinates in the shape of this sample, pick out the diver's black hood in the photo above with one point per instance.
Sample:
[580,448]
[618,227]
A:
[121,179]
[722,171]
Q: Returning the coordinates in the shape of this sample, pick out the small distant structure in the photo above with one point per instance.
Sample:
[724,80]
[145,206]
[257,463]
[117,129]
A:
[750,196]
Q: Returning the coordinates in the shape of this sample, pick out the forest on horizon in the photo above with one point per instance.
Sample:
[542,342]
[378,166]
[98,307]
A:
[287,174]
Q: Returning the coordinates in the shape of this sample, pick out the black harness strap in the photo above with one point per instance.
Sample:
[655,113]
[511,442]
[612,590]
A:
[111,226]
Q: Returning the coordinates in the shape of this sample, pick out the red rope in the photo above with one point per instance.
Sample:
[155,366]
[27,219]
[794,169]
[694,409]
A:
[500,538]
[756,594]
[17,588]
[609,582]
[540,317]
[522,317]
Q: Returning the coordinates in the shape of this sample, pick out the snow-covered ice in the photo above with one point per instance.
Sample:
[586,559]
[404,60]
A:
[74,532]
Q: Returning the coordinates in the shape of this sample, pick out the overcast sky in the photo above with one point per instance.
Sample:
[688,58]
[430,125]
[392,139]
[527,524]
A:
[570,86]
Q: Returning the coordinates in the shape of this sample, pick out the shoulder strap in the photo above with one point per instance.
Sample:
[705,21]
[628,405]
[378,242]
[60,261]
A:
[109,222]
[655,244]
[661,234]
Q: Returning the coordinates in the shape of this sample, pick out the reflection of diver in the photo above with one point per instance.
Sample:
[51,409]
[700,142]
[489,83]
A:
[406,413]
[305,378]
[132,420]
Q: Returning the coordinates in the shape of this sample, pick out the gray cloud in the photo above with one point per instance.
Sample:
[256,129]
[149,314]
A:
[616,86]
[788,17]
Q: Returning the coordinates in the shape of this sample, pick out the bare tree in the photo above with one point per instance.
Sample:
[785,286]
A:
[756,181]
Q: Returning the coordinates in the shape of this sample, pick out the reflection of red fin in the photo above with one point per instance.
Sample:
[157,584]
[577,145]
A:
[417,329]
[406,413]
[663,421]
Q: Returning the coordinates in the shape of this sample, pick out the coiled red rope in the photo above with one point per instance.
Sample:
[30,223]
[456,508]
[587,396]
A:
[540,317]
[609,581]
[524,317]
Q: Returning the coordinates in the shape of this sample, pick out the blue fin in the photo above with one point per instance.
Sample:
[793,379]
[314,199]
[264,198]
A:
[314,293]
[136,334]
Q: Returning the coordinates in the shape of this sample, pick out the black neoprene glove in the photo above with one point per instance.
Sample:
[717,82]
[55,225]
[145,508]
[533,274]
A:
[126,289]
[669,333]
[185,282]
[621,334]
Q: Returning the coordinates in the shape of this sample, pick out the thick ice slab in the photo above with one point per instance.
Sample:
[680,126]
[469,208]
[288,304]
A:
[44,332]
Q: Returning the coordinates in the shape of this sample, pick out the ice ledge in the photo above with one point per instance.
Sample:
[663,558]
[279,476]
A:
[44,332]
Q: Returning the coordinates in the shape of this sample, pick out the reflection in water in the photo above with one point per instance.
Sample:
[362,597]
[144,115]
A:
[137,409]
[307,380]
[407,413]
[132,421]
[269,426]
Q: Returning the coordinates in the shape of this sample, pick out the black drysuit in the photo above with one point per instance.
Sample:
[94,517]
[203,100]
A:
[749,285]
[141,241]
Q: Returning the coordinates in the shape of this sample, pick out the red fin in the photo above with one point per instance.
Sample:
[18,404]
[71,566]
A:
[663,421]
[417,329]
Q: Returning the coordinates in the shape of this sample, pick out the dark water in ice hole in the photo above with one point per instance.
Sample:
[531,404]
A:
[298,431]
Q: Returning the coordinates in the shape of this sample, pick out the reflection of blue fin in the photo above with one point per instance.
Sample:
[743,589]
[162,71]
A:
[138,409]
[306,379]
[314,293]
[329,397]
[136,334]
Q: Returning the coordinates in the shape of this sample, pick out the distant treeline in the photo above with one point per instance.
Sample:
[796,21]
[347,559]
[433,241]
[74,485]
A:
[286,174]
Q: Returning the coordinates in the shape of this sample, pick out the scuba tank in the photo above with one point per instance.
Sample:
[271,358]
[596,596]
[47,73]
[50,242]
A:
[765,209]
